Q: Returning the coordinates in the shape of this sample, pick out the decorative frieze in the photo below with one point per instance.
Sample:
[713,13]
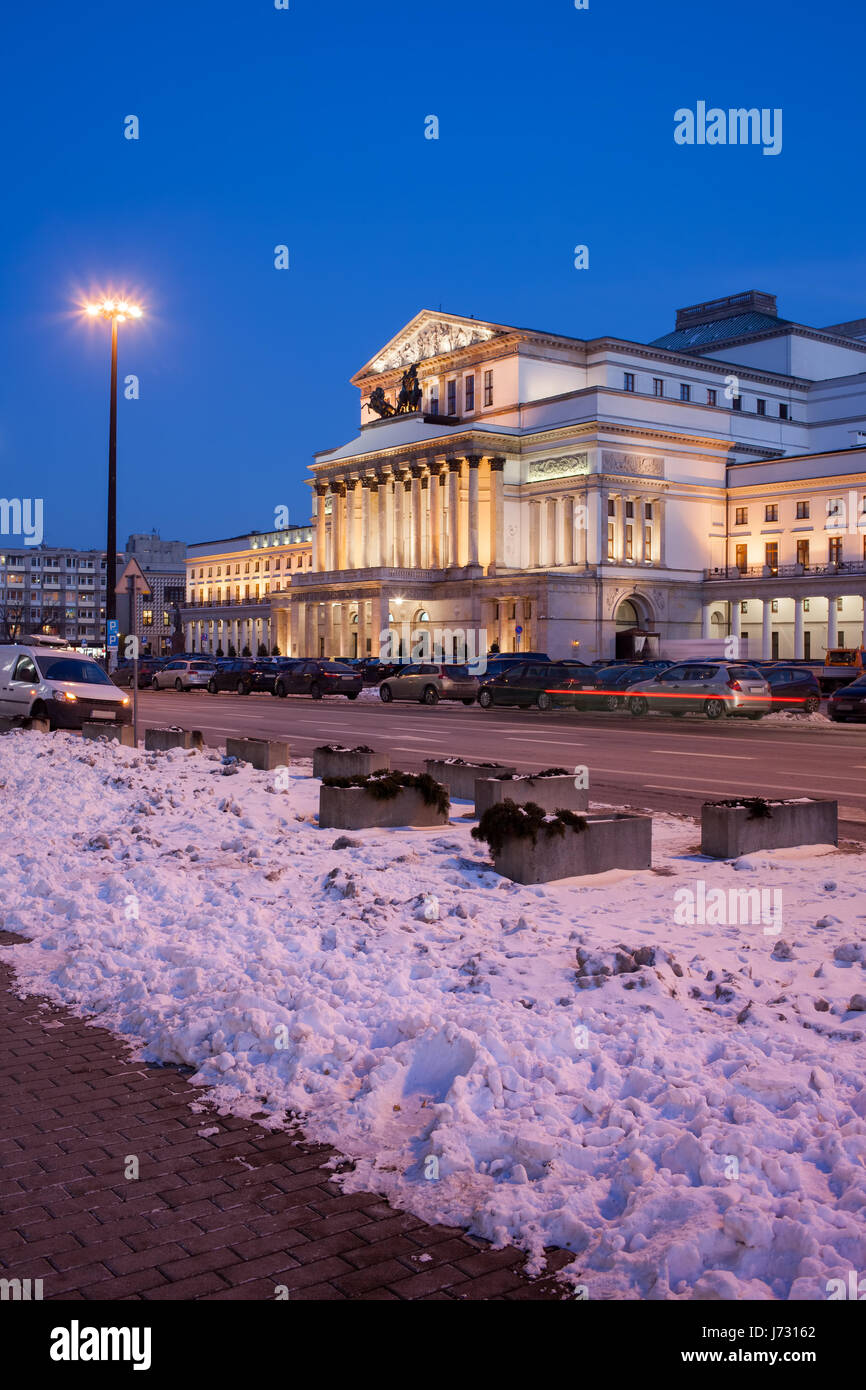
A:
[640,465]
[569,466]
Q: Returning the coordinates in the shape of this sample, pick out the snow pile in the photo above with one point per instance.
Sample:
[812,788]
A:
[678,1102]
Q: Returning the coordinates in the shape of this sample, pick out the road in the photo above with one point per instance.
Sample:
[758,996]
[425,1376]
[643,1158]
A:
[657,762]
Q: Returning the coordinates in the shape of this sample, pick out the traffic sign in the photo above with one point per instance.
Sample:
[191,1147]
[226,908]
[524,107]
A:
[111,632]
[519,631]
[132,580]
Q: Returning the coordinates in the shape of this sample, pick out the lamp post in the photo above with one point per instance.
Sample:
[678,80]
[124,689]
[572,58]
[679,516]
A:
[116,311]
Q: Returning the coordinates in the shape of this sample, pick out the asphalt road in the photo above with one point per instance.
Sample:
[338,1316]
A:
[657,762]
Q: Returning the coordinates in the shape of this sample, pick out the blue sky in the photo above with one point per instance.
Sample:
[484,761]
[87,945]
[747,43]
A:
[306,127]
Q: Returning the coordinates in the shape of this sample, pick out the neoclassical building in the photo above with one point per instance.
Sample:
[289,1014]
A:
[551,493]
[555,491]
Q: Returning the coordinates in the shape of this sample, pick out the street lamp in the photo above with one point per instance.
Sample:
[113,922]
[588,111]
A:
[116,311]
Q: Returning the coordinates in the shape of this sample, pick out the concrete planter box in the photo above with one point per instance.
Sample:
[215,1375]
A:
[161,740]
[348,763]
[115,733]
[38,726]
[263,754]
[729,831]
[550,793]
[610,841]
[460,778]
[353,808]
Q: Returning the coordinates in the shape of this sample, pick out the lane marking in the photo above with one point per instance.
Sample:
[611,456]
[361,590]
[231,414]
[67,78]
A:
[691,753]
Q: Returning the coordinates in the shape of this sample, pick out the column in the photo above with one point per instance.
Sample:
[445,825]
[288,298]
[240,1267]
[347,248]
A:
[660,530]
[365,546]
[407,521]
[415,499]
[559,530]
[535,515]
[321,556]
[736,619]
[706,621]
[384,493]
[336,525]
[832,622]
[568,537]
[473,461]
[398,518]
[863,638]
[603,520]
[362,627]
[798,629]
[767,630]
[351,528]
[379,608]
[453,505]
[428,492]
[345,631]
[623,522]
[520,642]
[497,533]
[435,498]
[638,530]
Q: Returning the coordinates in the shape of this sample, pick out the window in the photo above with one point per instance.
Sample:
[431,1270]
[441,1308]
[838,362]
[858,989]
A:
[648,545]
[802,511]
[685,391]
[803,553]
[761,406]
[648,511]
[488,388]
[806,605]
[744,605]
[839,602]
[741,557]
[25,670]
[774,606]
[741,516]
[771,512]
[771,555]
[434,399]
[784,412]
[628,381]
[469,393]
[451,397]
[658,386]
[736,403]
[611,507]
[840,638]
[629,509]
[835,550]
[610,554]
[629,547]
[807,643]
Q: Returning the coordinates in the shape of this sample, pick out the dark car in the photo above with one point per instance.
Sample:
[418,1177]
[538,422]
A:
[318,678]
[375,670]
[615,681]
[146,667]
[235,675]
[793,687]
[848,702]
[542,684]
[497,662]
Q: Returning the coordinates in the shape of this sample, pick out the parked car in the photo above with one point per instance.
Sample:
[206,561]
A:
[716,688]
[504,661]
[62,686]
[147,666]
[235,675]
[849,702]
[542,684]
[183,674]
[374,670]
[794,687]
[429,682]
[616,680]
[318,678]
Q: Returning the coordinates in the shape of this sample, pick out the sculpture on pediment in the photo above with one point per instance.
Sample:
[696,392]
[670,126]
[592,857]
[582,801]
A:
[409,398]
[377,402]
[432,339]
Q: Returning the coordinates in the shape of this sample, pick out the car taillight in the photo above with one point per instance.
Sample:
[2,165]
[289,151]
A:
[334,675]
[734,685]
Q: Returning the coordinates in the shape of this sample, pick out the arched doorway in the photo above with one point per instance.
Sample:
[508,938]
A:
[634,637]
[626,615]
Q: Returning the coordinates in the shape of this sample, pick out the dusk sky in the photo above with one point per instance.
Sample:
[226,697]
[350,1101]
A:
[306,127]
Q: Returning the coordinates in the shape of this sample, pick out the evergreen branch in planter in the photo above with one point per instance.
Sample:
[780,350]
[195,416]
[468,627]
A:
[385,786]
[505,820]
[757,807]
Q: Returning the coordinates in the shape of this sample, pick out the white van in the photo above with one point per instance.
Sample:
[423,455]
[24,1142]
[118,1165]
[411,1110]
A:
[38,681]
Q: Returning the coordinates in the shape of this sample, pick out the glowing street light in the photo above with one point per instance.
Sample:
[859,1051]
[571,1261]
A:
[116,311]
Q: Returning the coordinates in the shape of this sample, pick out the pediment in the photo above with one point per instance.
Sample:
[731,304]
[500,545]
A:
[429,335]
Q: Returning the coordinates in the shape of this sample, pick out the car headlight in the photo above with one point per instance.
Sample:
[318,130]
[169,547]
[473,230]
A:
[64,695]
[125,700]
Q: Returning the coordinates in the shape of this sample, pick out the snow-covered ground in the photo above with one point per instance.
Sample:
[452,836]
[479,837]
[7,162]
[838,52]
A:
[693,1126]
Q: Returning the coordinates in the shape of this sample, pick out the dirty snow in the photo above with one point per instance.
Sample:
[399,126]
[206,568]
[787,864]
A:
[682,1106]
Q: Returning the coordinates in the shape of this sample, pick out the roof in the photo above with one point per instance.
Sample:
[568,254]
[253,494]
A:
[719,331]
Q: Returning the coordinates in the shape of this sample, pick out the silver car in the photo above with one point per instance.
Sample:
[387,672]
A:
[430,683]
[183,675]
[713,688]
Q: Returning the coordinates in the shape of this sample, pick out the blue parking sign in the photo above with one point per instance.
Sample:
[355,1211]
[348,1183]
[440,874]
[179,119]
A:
[111,634]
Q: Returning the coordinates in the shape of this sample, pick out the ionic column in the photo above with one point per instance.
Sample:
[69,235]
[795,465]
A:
[321,556]
[299,613]
[364,548]
[435,502]
[350,524]
[427,492]
[736,618]
[497,535]
[798,629]
[415,498]
[637,531]
[473,461]
[603,520]
[559,530]
[706,620]
[659,529]
[399,556]
[407,521]
[767,630]
[337,491]
[453,506]
[535,514]
[832,622]
[345,632]
[379,609]
[384,487]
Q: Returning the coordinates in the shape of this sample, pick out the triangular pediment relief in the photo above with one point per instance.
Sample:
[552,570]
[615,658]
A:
[430,335]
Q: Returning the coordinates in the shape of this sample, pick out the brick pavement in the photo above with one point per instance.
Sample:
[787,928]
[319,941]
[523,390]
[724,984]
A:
[227,1216]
